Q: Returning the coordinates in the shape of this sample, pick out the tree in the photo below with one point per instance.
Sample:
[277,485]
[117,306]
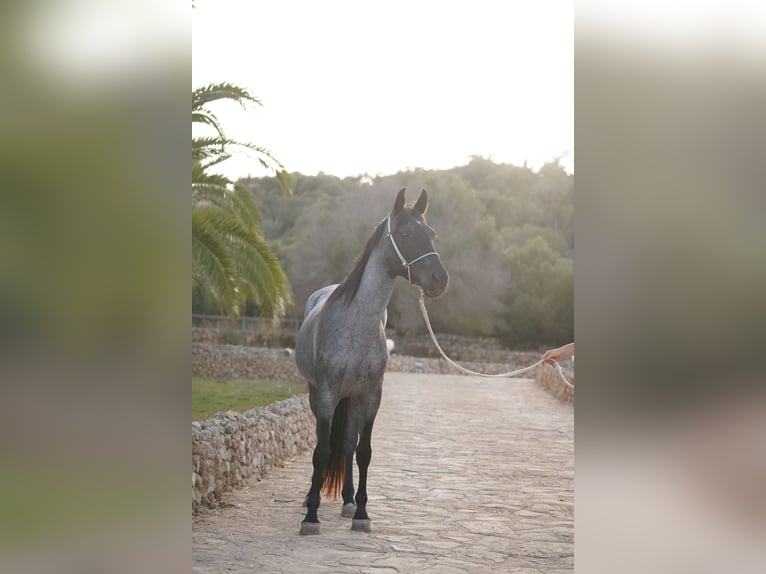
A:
[231,261]
[540,303]
[479,211]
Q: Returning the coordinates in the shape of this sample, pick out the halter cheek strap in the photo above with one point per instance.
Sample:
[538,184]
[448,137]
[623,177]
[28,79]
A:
[402,258]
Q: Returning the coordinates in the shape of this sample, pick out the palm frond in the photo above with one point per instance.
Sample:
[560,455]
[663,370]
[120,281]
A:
[207,146]
[231,260]
[234,199]
[204,147]
[259,268]
[222,91]
[212,261]
[285,182]
[216,158]
[238,263]
[201,176]
[203,282]
[205,116]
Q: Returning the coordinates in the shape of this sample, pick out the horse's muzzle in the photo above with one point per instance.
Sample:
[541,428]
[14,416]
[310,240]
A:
[436,283]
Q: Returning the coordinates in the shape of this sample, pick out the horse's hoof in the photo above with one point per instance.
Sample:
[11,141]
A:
[348,510]
[360,524]
[309,528]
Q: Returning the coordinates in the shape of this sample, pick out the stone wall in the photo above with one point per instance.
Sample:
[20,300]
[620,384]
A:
[458,347]
[549,378]
[242,362]
[232,447]
[234,361]
[242,335]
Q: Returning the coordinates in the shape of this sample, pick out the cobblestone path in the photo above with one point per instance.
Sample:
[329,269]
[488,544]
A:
[467,475]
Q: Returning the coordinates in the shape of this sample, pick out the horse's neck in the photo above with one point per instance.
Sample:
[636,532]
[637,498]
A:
[375,289]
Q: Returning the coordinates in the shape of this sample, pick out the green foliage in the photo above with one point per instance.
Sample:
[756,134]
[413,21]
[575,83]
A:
[481,211]
[211,397]
[232,263]
[540,303]
[202,303]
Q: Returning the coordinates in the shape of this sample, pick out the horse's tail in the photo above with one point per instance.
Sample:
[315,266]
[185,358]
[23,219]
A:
[335,470]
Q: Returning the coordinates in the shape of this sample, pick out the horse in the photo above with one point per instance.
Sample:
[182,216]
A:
[341,351]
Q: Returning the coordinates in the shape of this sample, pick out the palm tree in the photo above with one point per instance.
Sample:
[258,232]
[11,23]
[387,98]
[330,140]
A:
[231,261]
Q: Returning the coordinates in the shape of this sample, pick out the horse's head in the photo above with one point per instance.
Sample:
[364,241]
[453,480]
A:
[412,241]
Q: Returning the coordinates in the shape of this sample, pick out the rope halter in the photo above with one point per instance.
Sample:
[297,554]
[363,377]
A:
[402,258]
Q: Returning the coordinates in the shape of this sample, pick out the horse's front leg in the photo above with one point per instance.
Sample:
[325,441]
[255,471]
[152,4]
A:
[310,524]
[361,521]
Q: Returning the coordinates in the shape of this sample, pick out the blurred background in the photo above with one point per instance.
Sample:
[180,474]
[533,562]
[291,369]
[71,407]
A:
[94,259]
[669,287]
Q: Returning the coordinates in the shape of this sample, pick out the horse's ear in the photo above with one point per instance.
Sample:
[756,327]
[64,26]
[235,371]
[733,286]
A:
[399,203]
[421,206]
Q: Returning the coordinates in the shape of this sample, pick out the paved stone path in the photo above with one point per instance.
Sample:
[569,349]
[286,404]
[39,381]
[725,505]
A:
[467,475]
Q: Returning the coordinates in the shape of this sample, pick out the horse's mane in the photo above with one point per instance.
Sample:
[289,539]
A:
[350,285]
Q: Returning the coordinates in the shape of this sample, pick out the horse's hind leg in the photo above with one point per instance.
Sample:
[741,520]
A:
[349,507]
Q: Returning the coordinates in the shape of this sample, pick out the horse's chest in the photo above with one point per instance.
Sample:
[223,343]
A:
[363,364]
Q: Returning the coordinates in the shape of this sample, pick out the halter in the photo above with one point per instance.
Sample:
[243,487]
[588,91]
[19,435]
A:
[402,258]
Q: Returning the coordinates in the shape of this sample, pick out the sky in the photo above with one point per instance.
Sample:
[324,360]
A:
[352,88]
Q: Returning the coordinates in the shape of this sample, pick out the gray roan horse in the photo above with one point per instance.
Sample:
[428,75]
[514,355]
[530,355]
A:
[341,350]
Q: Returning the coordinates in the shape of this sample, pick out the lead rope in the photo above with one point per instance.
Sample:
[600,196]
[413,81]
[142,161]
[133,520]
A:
[422,303]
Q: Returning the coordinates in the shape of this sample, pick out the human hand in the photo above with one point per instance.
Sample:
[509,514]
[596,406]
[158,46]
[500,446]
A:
[552,356]
[549,358]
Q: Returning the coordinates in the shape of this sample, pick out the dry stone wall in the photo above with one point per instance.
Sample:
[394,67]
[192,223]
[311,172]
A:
[234,361]
[242,362]
[232,447]
[550,379]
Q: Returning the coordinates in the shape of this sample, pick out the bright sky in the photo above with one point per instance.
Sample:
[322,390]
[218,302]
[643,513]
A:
[352,87]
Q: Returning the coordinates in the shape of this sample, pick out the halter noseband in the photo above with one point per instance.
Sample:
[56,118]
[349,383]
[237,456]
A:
[402,258]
